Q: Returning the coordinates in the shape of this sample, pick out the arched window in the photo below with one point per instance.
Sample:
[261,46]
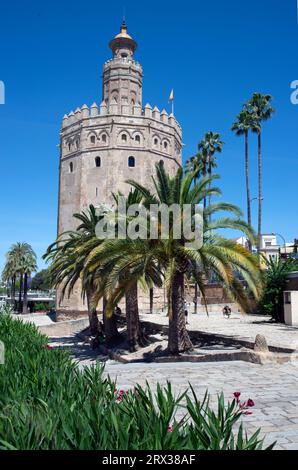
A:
[71,167]
[69,146]
[97,162]
[104,138]
[77,144]
[124,138]
[138,139]
[131,162]
[155,141]
[165,145]
[92,139]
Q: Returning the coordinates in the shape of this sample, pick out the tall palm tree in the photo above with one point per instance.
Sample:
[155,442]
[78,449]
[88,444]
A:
[208,147]
[260,107]
[244,123]
[196,164]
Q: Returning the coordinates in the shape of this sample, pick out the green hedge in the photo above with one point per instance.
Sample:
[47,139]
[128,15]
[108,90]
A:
[48,402]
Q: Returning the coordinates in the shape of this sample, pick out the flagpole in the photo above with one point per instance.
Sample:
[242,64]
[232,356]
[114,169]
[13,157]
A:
[173,106]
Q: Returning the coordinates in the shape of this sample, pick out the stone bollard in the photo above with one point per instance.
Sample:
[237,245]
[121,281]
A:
[261,344]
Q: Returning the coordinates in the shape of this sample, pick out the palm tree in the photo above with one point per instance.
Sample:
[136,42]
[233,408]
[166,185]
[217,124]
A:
[28,266]
[245,122]
[67,256]
[9,274]
[260,107]
[222,256]
[135,335]
[120,265]
[208,147]
[197,164]
[23,259]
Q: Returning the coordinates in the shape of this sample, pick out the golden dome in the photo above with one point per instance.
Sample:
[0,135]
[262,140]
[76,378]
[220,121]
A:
[123,33]
[123,39]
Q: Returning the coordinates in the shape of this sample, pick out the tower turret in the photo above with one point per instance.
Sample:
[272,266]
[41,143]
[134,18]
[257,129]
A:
[123,46]
[122,75]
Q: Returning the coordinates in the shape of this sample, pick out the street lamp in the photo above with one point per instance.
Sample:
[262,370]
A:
[256,199]
[283,240]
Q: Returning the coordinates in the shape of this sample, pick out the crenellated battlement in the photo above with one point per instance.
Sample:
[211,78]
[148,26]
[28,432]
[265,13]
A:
[104,111]
[122,61]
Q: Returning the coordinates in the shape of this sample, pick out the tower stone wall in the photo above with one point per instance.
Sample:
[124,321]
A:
[102,146]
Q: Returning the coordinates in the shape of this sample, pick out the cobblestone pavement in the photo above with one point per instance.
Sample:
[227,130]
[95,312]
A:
[237,326]
[274,389]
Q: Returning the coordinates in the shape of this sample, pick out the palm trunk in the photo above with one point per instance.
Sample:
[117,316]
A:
[204,174]
[151,300]
[247,186]
[209,174]
[179,340]
[260,191]
[134,333]
[20,293]
[93,318]
[25,297]
[13,296]
[110,325]
[196,298]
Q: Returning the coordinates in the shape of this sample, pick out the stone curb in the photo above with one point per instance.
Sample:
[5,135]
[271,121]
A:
[242,355]
[242,341]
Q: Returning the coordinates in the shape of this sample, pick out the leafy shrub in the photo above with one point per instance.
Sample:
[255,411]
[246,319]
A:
[48,403]
[275,281]
[6,309]
[41,307]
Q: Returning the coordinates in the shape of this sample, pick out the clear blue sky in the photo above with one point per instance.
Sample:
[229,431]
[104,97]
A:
[214,54]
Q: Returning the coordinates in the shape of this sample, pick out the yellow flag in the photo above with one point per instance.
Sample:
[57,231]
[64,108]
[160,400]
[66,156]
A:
[171,98]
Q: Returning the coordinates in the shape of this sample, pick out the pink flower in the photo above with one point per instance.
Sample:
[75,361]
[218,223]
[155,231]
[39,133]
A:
[237,394]
[47,346]
[250,403]
[170,429]
[247,412]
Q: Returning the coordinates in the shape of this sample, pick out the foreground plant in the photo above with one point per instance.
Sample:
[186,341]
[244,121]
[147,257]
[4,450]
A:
[48,403]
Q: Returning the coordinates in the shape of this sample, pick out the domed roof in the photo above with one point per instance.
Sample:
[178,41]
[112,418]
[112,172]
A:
[123,38]
[123,32]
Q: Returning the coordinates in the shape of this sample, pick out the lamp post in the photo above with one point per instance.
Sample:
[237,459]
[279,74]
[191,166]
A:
[285,248]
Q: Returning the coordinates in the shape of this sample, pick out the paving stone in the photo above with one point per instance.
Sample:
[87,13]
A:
[290,446]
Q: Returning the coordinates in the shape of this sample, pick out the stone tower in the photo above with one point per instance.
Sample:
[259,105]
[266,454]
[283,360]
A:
[103,146]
